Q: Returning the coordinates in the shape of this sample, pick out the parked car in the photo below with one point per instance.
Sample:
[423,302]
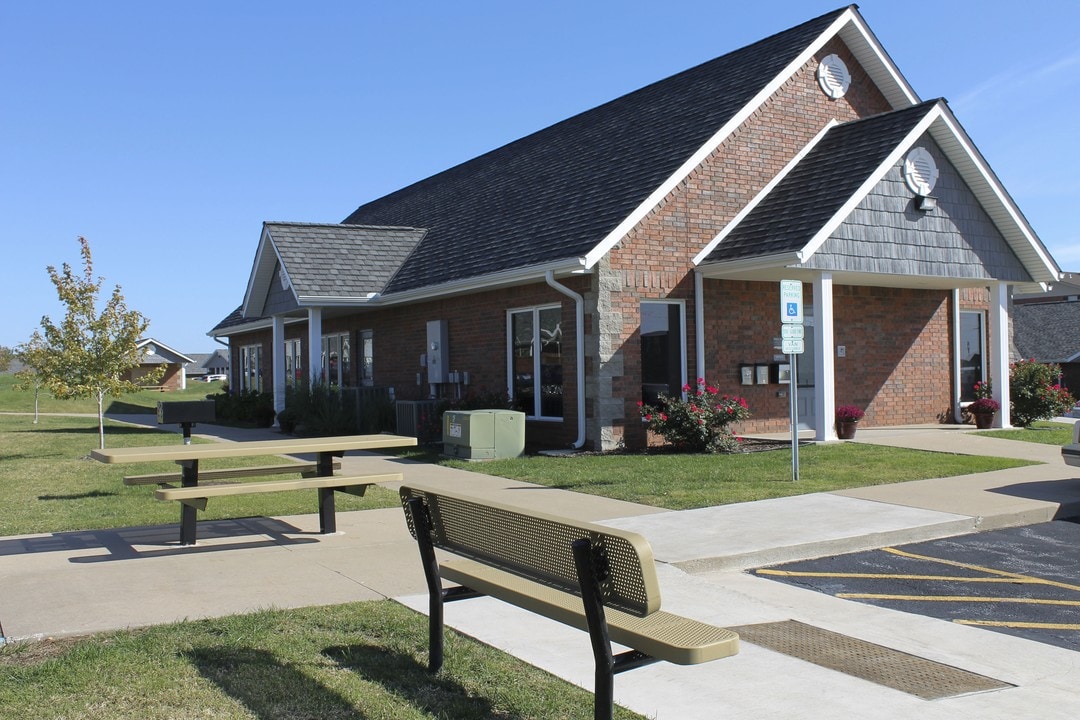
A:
[1071,453]
[215,377]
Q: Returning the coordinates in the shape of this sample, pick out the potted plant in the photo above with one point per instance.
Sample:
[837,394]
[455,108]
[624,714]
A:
[983,411]
[847,420]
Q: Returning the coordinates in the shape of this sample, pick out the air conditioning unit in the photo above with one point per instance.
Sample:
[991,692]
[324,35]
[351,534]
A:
[483,434]
[413,416]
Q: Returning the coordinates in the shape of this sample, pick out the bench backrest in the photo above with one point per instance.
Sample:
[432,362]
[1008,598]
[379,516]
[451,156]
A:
[537,546]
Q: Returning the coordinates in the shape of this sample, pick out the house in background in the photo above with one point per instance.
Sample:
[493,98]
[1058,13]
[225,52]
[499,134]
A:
[1046,328]
[156,354]
[205,365]
[637,246]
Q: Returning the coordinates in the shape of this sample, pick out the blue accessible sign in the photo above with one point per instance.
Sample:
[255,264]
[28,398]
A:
[791,304]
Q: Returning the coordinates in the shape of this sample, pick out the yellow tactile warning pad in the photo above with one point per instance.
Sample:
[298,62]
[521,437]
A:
[914,675]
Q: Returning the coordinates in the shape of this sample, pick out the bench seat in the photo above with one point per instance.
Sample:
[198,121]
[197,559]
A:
[662,635]
[304,468]
[197,496]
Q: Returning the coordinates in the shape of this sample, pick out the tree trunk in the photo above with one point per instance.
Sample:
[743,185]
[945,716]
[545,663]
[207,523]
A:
[101,419]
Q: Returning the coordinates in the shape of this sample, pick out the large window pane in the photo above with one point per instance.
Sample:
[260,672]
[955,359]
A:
[521,329]
[972,344]
[536,361]
[551,376]
[661,351]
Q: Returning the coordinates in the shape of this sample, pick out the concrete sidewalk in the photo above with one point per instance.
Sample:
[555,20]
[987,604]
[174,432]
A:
[79,582]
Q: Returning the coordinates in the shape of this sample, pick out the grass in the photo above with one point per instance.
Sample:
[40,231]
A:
[47,484]
[144,401]
[1045,433]
[345,662]
[682,482]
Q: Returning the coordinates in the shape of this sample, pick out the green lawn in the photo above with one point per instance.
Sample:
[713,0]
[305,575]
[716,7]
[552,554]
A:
[1046,433]
[144,401]
[345,662]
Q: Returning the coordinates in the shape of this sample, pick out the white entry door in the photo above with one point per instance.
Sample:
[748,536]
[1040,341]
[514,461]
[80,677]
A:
[804,393]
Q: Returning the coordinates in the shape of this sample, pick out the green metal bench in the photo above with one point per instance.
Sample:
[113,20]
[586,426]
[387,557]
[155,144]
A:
[598,579]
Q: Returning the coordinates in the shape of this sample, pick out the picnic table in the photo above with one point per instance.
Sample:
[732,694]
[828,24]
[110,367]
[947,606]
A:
[193,497]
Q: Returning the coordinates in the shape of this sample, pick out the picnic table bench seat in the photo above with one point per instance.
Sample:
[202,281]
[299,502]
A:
[305,469]
[197,496]
[598,579]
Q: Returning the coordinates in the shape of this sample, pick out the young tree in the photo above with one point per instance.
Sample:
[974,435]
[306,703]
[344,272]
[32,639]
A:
[89,354]
[37,366]
[6,354]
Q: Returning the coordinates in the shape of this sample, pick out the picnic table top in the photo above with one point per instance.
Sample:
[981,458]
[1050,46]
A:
[285,446]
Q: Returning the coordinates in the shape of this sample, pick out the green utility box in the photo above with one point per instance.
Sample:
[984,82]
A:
[483,434]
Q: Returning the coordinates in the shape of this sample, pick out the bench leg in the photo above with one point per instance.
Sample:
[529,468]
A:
[189,477]
[327,516]
[607,664]
[422,526]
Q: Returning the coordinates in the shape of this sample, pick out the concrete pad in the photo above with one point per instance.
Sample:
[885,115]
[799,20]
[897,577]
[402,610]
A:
[785,529]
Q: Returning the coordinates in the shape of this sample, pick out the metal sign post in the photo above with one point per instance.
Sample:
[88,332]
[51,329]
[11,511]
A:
[792,344]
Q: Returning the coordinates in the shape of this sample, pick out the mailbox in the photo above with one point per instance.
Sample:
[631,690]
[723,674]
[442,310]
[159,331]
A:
[186,413]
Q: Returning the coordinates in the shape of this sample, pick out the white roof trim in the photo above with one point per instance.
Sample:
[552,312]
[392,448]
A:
[854,32]
[262,275]
[141,344]
[764,193]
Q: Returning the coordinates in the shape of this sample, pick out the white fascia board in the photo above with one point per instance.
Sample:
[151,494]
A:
[745,265]
[181,357]
[1050,271]
[262,274]
[764,193]
[518,276]
[336,300]
[871,181]
[604,246]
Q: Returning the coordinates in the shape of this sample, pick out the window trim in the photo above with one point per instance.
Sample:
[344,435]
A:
[535,310]
[981,314]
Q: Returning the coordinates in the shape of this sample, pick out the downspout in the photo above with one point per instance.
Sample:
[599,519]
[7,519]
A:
[579,317]
[699,323]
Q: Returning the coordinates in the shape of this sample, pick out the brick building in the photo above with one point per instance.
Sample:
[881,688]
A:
[637,246]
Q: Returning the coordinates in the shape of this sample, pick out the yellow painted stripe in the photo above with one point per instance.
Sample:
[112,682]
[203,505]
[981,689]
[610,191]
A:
[980,568]
[882,576]
[958,598]
[1024,625]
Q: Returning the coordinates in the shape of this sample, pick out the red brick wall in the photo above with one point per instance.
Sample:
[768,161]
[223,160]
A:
[655,259]
[478,345]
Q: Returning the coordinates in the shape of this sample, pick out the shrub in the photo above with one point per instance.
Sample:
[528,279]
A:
[701,422]
[1034,392]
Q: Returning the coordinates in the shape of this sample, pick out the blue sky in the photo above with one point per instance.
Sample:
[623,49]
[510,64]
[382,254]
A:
[166,133]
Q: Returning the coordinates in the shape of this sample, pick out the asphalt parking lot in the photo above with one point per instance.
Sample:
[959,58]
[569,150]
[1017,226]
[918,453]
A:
[1024,581]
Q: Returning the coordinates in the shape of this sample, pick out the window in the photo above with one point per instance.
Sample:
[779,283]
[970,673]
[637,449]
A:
[251,368]
[294,364]
[536,376]
[972,355]
[663,350]
[337,360]
[367,359]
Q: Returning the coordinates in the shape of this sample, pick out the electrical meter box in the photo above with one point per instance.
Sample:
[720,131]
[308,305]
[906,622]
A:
[483,434]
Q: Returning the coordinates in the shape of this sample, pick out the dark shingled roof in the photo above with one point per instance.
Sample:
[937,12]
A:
[814,190]
[341,260]
[555,194]
[1047,332]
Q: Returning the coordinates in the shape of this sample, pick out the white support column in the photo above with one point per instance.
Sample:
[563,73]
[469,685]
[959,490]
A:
[315,345]
[824,358]
[277,356]
[999,350]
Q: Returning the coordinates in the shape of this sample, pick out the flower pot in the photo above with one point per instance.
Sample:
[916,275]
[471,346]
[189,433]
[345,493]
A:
[845,429]
[983,420]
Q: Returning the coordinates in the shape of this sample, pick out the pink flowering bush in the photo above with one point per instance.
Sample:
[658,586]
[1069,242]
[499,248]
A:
[701,422]
[1035,392]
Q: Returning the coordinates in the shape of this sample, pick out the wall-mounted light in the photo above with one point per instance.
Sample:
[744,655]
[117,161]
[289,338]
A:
[926,203]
